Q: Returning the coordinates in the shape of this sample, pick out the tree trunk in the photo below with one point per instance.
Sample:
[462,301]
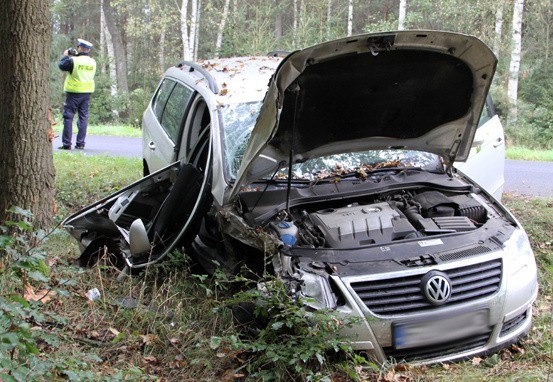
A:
[328,19]
[498,26]
[401,16]
[162,48]
[193,28]
[350,17]
[197,28]
[26,161]
[278,20]
[221,30]
[119,49]
[512,90]
[186,52]
[295,24]
[111,54]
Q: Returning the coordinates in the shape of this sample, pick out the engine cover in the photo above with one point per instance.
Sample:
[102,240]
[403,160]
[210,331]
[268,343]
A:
[358,225]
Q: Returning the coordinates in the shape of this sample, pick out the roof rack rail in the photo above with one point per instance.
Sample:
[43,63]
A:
[195,66]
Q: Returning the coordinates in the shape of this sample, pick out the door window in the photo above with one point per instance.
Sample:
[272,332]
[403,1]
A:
[174,110]
[161,97]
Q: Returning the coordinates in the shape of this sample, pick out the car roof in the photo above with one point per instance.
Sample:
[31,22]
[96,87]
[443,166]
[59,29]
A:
[234,79]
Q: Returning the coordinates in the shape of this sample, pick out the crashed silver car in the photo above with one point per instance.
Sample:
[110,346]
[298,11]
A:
[347,188]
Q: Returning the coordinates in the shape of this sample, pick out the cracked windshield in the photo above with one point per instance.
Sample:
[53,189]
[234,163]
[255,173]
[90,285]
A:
[239,120]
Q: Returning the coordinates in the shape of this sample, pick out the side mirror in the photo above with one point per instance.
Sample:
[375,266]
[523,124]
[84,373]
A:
[138,238]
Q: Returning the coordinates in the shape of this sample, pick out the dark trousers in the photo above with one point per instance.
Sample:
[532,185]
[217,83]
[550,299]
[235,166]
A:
[75,103]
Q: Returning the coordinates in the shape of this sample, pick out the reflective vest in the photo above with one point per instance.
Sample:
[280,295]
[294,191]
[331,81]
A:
[81,79]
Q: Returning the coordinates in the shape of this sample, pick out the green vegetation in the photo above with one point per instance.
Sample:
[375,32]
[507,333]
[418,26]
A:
[170,323]
[99,129]
[521,153]
[152,42]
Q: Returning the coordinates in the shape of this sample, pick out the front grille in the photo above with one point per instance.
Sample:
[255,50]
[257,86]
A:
[440,350]
[403,295]
[512,324]
[455,255]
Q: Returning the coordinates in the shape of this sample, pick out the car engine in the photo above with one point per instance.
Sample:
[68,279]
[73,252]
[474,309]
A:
[387,218]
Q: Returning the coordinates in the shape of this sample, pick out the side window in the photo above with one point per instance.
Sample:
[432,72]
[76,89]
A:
[174,110]
[487,112]
[161,97]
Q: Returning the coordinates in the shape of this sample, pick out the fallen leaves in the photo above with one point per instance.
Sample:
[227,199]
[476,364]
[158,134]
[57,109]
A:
[43,295]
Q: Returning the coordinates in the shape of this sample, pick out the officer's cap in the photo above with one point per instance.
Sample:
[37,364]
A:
[84,43]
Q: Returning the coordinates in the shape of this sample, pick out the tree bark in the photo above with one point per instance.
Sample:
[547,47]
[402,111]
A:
[221,30]
[328,19]
[498,26]
[110,53]
[295,23]
[512,90]
[119,49]
[401,16]
[193,28]
[26,162]
[350,17]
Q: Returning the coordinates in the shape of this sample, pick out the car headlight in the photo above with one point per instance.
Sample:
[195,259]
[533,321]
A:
[316,292]
[518,252]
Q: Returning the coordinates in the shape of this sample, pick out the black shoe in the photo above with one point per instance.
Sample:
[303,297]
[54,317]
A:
[64,147]
[79,147]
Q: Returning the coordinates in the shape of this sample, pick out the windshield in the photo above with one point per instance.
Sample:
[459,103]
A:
[238,122]
[361,164]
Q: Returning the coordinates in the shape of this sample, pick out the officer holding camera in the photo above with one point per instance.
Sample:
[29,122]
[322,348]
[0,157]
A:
[78,85]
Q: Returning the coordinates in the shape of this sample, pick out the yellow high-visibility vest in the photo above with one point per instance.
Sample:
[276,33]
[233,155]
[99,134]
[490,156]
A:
[81,80]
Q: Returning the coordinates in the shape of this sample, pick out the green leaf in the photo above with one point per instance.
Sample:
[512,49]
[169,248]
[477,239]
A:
[214,342]
[38,276]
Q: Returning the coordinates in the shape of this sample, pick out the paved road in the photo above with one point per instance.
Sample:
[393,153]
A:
[529,178]
[98,145]
[521,177]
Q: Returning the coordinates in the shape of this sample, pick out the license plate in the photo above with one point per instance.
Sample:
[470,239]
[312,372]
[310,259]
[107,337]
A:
[445,329]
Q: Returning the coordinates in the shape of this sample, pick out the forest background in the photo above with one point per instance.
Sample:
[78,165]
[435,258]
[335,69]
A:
[136,41]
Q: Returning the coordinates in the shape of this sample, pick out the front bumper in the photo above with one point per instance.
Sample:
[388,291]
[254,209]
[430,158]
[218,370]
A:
[449,332]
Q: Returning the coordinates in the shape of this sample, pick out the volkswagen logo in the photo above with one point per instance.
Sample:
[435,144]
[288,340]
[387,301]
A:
[436,287]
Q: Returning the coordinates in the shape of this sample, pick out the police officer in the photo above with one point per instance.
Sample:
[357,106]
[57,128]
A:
[79,84]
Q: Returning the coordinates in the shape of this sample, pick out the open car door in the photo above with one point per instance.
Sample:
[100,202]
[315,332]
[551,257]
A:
[486,162]
[142,223]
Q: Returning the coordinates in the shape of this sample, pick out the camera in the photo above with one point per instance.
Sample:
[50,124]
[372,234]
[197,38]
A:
[72,51]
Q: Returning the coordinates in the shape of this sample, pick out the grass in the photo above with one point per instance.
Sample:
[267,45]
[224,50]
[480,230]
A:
[113,130]
[521,153]
[173,332]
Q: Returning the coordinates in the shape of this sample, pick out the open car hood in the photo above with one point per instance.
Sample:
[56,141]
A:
[417,90]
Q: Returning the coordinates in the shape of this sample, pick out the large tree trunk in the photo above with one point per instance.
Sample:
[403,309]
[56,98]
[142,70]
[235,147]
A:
[512,90]
[119,49]
[26,161]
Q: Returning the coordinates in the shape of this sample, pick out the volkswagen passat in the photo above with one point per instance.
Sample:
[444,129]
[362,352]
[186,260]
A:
[341,175]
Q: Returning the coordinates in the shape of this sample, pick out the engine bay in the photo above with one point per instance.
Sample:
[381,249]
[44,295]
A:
[379,219]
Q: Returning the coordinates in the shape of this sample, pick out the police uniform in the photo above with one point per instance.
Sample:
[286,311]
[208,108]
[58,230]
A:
[78,85]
